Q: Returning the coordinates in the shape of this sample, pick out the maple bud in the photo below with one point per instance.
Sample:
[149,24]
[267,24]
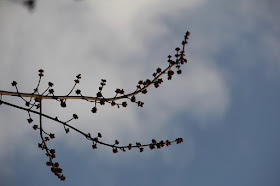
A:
[75,116]
[144,91]
[133,99]
[94,110]
[118,91]
[49,163]
[52,135]
[160,80]
[50,84]
[152,146]
[30,120]
[158,70]
[115,150]
[52,151]
[168,143]
[99,94]
[94,146]
[56,164]
[14,83]
[140,104]
[124,104]
[170,72]
[63,104]
[78,91]
[156,84]
[102,102]
[40,145]
[129,146]
[59,170]
[41,73]
[95,140]
[78,76]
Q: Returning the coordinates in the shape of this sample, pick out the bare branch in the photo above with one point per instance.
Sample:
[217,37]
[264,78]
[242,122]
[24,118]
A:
[36,102]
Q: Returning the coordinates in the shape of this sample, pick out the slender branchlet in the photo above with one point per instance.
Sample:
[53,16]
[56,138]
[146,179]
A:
[34,106]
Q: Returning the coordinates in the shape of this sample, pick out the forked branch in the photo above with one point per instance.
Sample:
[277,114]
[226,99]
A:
[35,101]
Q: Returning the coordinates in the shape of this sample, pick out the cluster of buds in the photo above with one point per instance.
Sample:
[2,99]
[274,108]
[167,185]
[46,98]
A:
[115,147]
[78,78]
[179,140]
[51,91]
[160,144]
[35,101]
[142,85]
[56,170]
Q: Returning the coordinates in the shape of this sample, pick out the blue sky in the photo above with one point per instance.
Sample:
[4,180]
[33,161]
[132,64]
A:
[225,104]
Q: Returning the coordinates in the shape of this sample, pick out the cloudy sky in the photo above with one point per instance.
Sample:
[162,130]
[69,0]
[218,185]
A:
[225,104]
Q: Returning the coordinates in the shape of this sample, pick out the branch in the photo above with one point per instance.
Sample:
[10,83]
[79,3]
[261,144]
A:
[33,95]
[86,135]
[36,100]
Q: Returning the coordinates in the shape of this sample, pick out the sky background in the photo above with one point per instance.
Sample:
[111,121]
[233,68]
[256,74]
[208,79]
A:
[225,104]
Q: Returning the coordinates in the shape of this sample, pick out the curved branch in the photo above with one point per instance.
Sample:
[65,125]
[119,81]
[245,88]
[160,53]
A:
[87,136]
[141,87]
[32,95]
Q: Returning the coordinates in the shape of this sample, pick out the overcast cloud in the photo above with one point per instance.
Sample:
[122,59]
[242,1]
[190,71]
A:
[123,42]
